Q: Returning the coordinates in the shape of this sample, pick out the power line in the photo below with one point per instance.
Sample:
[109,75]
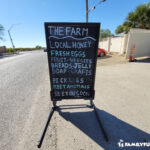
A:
[95,1]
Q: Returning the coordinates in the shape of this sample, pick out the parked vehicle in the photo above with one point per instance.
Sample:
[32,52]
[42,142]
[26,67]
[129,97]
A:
[101,52]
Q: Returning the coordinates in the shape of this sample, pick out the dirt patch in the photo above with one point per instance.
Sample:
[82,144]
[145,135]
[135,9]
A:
[111,59]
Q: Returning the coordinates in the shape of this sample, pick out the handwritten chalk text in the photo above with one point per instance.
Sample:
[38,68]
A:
[66,31]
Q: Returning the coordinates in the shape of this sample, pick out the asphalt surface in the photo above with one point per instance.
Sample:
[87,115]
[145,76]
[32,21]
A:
[24,99]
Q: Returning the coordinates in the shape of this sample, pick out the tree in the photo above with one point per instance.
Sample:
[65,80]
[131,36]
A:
[104,33]
[1,32]
[140,18]
[119,29]
[38,47]
[127,26]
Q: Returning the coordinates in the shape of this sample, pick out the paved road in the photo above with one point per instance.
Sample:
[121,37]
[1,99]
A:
[24,99]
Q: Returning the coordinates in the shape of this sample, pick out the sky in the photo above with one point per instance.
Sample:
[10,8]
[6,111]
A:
[28,17]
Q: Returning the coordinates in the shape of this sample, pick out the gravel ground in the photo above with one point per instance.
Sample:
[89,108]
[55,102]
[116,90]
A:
[110,60]
[122,100]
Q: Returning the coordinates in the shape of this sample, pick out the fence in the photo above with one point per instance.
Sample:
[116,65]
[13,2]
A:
[115,44]
[140,38]
[3,49]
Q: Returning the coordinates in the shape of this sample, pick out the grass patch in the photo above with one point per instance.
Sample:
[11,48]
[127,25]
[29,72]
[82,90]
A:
[11,50]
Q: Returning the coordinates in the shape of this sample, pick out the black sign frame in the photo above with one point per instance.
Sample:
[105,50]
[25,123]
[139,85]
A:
[96,26]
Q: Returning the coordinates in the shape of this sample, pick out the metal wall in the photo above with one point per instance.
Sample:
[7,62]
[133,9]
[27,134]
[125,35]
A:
[140,38]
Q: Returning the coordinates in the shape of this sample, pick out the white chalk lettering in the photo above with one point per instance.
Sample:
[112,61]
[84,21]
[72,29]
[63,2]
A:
[69,45]
[60,53]
[68,31]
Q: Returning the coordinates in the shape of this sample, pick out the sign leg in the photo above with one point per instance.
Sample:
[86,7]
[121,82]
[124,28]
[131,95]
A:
[91,103]
[54,103]
[45,128]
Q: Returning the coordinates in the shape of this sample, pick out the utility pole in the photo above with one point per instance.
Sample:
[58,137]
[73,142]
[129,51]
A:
[93,8]
[87,11]
[10,35]
[11,40]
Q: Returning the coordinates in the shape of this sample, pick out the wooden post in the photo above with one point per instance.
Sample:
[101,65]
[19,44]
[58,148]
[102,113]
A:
[87,11]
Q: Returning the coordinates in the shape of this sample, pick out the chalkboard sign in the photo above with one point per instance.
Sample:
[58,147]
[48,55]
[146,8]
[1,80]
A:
[72,55]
